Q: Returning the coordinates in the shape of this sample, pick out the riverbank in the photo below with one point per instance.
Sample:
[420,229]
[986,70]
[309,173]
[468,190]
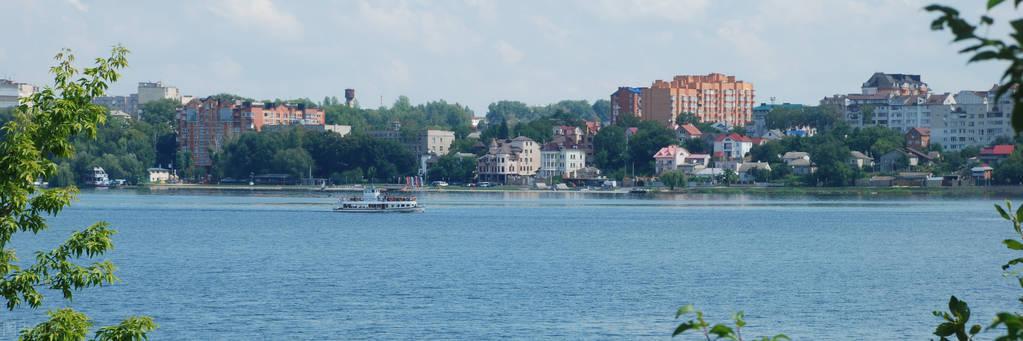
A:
[964,191]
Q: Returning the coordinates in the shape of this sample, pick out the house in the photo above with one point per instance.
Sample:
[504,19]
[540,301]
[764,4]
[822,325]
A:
[731,146]
[670,158]
[556,161]
[161,176]
[689,131]
[802,166]
[747,171]
[788,157]
[120,114]
[881,181]
[509,161]
[982,175]
[912,179]
[918,138]
[995,154]
[722,126]
[905,159]
[695,162]
[774,134]
[859,160]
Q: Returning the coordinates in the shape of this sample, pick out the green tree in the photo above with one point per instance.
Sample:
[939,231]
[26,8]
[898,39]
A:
[984,48]
[161,112]
[610,147]
[602,108]
[720,331]
[44,125]
[453,168]
[650,138]
[674,179]
[1010,170]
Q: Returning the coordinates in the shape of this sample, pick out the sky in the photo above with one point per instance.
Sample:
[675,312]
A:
[476,52]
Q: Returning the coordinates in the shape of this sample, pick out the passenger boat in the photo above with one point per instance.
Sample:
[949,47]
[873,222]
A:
[372,201]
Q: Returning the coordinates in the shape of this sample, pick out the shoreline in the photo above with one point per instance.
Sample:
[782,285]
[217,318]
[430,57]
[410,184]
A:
[964,191]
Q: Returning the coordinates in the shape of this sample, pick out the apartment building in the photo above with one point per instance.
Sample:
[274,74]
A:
[509,161]
[155,91]
[205,125]
[128,104]
[559,161]
[12,92]
[904,102]
[711,98]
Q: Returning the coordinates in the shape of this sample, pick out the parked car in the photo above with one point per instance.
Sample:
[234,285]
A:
[439,184]
[485,184]
[470,185]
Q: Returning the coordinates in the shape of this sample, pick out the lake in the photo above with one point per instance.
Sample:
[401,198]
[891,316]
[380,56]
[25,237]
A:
[253,266]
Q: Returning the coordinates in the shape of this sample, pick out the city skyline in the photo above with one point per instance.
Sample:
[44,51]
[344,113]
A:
[477,52]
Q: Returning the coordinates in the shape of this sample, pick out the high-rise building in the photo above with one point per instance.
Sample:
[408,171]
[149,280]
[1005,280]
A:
[155,91]
[904,102]
[711,98]
[12,92]
[204,125]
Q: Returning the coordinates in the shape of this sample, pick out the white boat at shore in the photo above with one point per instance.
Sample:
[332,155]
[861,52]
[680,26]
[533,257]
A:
[372,201]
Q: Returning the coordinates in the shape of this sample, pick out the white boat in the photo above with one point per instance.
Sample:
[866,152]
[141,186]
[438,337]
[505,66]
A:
[372,201]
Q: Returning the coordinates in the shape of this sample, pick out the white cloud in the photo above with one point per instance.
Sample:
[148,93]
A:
[671,10]
[259,15]
[78,5]
[436,30]
[508,53]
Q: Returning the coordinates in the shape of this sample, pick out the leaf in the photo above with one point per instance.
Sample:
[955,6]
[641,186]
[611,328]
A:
[1013,244]
[945,329]
[721,331]
[960,309]
[975,329]
[1011,263]
[992,3]
[984,55]
[1001,211]
[683,327]
[686,309]
[781,337]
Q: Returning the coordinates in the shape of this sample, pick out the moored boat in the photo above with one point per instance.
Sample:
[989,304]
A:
[373,201]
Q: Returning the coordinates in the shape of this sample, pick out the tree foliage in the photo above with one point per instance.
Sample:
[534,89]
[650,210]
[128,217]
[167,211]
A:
[452,167]
[43,127]
[698,324]
[649,138]
[984,48]
[673,179]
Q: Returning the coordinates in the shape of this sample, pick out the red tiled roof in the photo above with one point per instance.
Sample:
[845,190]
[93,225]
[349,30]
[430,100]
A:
[690,129]
[1002,149]
[733,136]
[922,131]
[670,151]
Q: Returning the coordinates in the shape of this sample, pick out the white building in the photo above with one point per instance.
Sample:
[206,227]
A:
[339,129]
[11,92]
[732,146]
[563,162]
[670,158]
[509,160]
[155,91]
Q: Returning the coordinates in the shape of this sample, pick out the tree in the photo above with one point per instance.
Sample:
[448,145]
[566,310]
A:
[161,112]
[729,177]
[602,108]
[697,146]
[44,125]
[1010,170]
[674,179]
[610,147]
[984,48]
[453,168]
[292,161]
[831,156]
[651,137]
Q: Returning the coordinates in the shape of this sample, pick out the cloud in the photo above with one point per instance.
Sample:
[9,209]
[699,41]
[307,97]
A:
[436,30]
[78,5]
[624,10]
[508,53]
[260,15]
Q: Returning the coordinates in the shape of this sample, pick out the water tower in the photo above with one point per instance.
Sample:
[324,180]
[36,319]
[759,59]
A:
[349,97]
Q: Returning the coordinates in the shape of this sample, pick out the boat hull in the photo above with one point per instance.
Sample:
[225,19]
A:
[379,210]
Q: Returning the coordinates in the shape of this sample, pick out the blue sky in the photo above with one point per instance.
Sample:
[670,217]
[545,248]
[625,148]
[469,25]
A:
[478,51]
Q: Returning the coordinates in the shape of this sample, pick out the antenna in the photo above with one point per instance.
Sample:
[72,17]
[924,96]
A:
[773,99]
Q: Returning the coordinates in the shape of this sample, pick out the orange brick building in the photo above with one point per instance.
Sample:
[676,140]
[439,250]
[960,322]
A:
[205,125]
[712,98]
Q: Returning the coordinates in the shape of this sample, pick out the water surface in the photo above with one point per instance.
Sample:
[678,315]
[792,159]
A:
[535,266]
